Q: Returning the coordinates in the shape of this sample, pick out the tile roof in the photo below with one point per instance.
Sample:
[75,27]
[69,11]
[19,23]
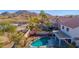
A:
[71,22]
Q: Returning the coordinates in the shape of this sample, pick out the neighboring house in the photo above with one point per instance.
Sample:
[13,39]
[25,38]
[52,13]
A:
[69,30]
[71,27]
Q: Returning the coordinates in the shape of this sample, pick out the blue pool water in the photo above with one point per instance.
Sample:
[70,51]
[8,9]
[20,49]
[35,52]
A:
[40,42]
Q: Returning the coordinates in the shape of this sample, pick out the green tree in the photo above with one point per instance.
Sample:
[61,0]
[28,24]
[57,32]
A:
[48,24]
[43,15]
[33,22]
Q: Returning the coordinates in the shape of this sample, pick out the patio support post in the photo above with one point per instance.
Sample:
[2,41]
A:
[59,43]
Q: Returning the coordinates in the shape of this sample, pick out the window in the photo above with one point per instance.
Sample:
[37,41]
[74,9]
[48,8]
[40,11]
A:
[67,29]
[62,27]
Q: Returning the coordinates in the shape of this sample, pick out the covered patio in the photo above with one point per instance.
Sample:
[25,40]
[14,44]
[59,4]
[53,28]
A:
[62,38]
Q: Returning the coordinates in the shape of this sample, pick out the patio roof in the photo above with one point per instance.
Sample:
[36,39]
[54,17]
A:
[62,35]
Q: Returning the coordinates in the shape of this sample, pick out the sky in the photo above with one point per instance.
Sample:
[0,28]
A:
[52,12]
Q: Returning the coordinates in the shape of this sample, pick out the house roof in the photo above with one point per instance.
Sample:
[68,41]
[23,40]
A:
[60,19]
[68,21]
[71,22]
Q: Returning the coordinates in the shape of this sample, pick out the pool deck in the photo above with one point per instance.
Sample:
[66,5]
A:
[42,34]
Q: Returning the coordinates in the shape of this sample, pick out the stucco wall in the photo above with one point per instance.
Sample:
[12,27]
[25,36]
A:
[75,32]
[65,31]
[72,32]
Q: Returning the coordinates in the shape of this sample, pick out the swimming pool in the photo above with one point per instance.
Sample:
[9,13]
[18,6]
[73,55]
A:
[40,42]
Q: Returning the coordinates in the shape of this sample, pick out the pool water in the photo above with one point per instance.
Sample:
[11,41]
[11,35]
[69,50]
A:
[40,42]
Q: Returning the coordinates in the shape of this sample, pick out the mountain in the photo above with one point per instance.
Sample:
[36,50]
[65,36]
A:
[20,15]
[5,13]
[8,14]
[22,12]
